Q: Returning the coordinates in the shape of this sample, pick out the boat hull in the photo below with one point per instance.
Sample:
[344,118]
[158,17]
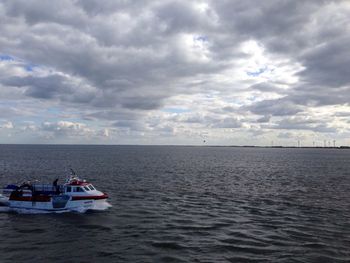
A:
[70,205]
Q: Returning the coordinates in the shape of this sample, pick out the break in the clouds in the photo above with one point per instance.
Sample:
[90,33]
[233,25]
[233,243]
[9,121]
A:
[174,72]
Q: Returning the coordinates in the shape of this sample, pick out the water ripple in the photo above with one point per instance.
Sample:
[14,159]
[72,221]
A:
[186,204]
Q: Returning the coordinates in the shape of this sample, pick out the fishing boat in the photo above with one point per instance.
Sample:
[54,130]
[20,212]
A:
[74,195]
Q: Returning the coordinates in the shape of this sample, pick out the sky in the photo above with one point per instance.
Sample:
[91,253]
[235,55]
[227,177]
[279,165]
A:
[175,72]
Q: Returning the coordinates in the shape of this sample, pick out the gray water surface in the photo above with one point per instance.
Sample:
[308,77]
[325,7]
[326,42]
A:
[185,204]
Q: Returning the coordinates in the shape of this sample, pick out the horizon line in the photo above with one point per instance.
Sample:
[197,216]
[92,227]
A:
[182,145]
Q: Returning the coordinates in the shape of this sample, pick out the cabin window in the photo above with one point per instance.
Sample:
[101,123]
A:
[78,189]
[86,188]
[68,189]
[91,187]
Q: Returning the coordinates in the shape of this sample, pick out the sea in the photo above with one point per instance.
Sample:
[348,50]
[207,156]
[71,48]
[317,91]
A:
[184,204]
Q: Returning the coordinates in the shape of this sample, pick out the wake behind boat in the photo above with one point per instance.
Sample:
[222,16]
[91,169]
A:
[74,195]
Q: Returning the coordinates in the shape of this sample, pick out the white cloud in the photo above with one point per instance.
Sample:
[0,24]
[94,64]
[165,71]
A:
[169,71]
[6,125]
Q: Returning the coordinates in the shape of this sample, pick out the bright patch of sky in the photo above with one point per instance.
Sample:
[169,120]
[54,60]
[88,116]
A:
[5,57]
[176,110]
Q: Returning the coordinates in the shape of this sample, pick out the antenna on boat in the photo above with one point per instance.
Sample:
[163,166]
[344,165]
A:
[71,176]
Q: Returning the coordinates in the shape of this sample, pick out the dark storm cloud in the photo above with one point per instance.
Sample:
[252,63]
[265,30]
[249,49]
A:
[34,12]
[263,18]
[106,7]
[141,103]
[42,87]
[342,114]
[328,65]
[319,95]
[264,119]
[267,87]
[229,109]
[51,87]
[277,107]
[180,16]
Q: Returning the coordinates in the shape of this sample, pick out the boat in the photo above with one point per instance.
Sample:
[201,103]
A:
[74,195]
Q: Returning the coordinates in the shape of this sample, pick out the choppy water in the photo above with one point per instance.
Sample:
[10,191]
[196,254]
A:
[185,204]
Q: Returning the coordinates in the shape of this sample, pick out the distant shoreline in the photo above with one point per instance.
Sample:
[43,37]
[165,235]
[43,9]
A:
[279,147]
[174,145]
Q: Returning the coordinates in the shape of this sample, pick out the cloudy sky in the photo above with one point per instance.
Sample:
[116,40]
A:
[175,72]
